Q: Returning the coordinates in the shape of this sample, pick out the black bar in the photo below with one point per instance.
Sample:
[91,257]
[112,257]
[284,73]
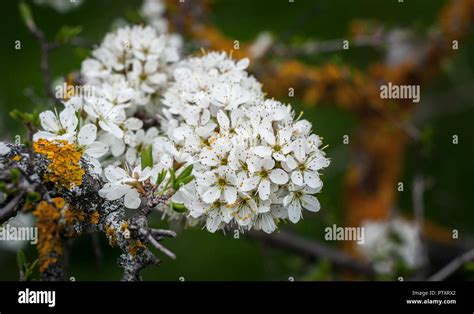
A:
[242,296]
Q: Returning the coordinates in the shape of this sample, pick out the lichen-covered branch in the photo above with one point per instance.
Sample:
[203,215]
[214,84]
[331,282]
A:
[64,212]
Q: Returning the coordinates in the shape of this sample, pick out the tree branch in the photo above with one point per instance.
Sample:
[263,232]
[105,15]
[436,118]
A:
[453,266]
[310,249]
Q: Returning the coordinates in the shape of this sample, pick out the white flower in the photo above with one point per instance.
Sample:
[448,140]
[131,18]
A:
[117,93]
[278,147]
[136,141]
[4,149]
[304,167]
[135,56]
[58,128]
[389,242]
[298,198]
[86,141]
[262,175]
[123,184]
[222,182]
[265,222]
[108,115]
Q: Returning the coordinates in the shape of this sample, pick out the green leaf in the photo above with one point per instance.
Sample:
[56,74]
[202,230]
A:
[173,179]
[15,173]
[179,208]
[26,15]
[186,172]
[185,181]
[66,33]
[33,197]
[469,266]
[146,157]
[161,176]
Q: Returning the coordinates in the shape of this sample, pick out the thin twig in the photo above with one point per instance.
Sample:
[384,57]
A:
[160,247]
[453,266]
[312,249]
[9,210]
[45,48]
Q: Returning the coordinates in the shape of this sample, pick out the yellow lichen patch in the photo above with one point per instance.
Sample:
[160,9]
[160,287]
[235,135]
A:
[73,216]
[110,234]
[94,217]
[49,239]
[124,225]
[16,158]
[134,247]
[64,169]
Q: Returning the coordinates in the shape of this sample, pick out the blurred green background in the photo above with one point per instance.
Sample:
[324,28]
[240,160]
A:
[205,256]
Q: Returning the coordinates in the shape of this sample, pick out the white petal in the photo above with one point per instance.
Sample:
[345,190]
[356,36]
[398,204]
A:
[209,157]
[132,199]
[297,178]
[68,119]
[268,163]
[310,203]
[279,176]
[290,163]
[268,224]
[250,183]
[96,149]
[213,223]
[243,64]
[133,124]
[254,164]
[299,148]
[87,134]
[312,179]
[114,173]
[49,122]
[113,192]
[318,163]
[211,195]
[264,189]
[4,149]
[294,211]
[230,194]
[223,120]
[112,129]
[45,135]
[268,136]
[117,147]
[262,151]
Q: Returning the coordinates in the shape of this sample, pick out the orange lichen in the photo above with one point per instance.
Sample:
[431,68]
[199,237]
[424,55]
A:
[49,244]
[73,216]
[134,247]
[64,169]
[111,236]
[16,158]
[94,217]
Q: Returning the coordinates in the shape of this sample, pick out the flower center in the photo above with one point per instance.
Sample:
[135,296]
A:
[263,174]
[221,182]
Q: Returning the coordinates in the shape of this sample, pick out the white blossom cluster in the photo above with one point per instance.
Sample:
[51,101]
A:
[392,243]
[137,58]
[253,162]
[130,68]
